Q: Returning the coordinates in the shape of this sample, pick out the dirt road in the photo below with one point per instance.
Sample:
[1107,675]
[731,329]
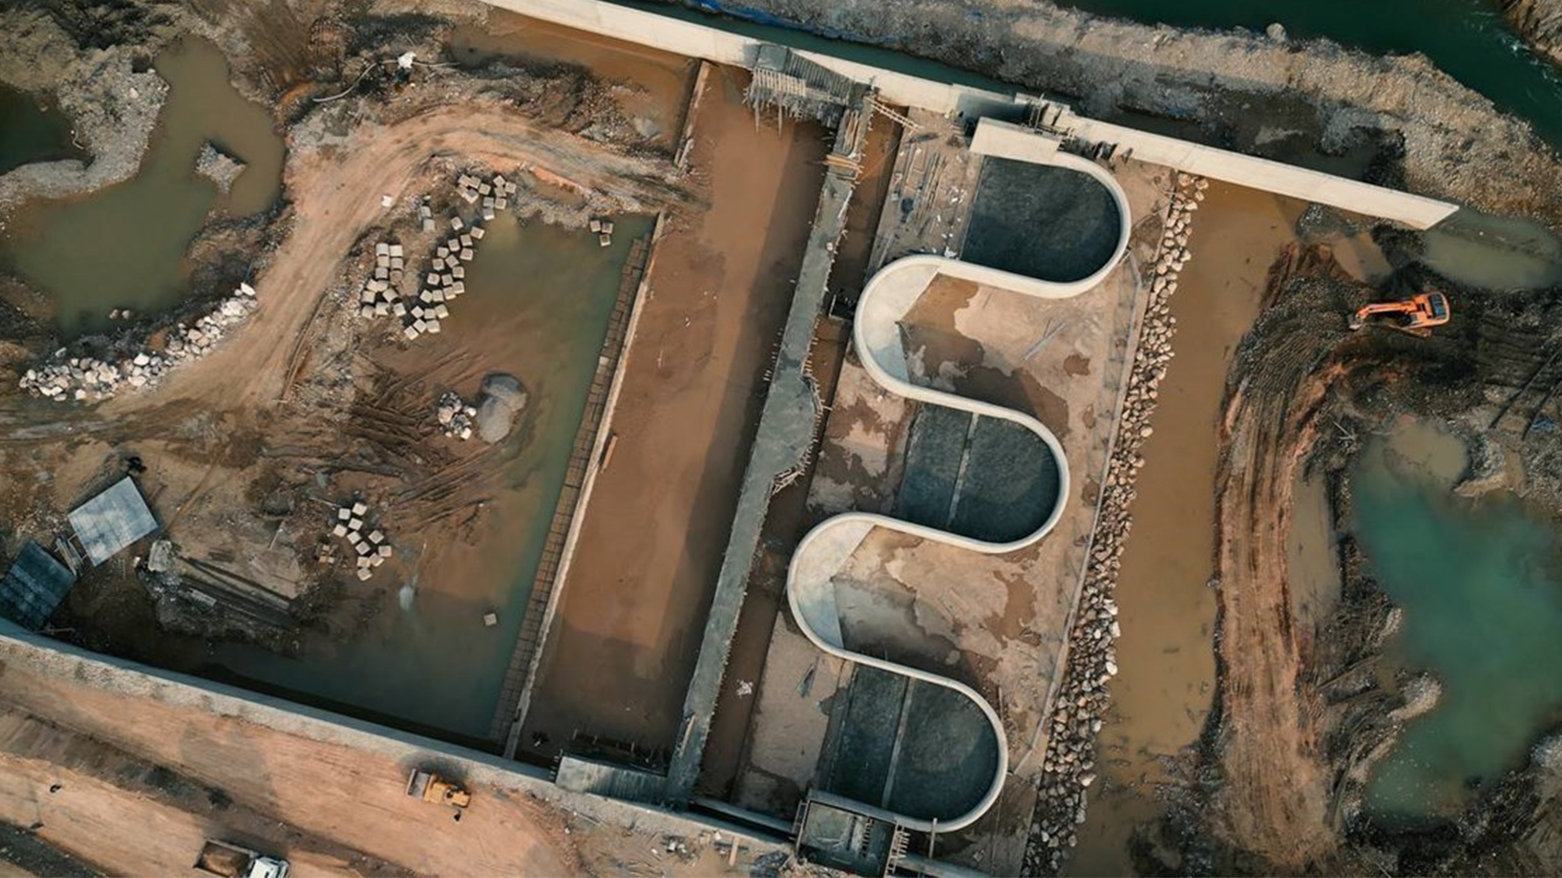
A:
[127,797]
[634,601]
[1276,797]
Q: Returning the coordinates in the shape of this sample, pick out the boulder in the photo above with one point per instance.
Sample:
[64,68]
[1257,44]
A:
[503,399]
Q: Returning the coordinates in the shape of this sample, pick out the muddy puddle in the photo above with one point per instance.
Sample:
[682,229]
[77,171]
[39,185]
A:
[650,86]
[32,131]
[1496,252]
[538,304]
[1481,590]
[124,246]
[1166,607]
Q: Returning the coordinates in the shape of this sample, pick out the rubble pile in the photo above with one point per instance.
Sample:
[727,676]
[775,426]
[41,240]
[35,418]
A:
[368,543]
[455,416]
[86,378]
[1069,764]
[380,295]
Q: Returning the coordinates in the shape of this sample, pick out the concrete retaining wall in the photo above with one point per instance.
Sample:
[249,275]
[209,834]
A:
[713,44]
[56,659]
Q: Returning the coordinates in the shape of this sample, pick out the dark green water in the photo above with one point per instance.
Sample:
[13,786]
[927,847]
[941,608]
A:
[1481,590]
[1467,39]
[31,131]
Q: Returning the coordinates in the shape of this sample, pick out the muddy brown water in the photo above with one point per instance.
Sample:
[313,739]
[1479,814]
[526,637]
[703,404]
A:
[124,246]
[1166,607]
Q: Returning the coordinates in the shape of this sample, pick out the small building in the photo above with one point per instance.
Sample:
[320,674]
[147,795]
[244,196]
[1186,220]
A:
[34,587]
[108,523]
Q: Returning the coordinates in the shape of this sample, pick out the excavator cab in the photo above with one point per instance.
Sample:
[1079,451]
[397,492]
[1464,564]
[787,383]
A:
[1415,315]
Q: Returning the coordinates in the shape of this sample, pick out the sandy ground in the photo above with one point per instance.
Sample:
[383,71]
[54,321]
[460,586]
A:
[119,805]
[1166,607]
[626,635]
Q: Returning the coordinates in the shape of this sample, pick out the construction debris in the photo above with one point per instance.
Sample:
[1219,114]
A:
[455,416]
[86,378]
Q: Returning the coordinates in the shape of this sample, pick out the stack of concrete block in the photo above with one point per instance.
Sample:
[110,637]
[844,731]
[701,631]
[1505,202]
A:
[426,215]
[86,378]
[445,280]
[368,543]
[604,231]
[380,295]
[455,416]
[495,194]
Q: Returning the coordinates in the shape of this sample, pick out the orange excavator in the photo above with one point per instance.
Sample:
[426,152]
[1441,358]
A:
[1415,315]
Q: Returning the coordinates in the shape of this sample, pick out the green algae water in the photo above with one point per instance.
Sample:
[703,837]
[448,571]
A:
[1481,590]
[31,131]
[539,300]
[1467,39]
[123,246]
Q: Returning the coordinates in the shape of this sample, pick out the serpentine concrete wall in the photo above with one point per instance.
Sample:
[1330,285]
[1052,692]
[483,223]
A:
[888,297]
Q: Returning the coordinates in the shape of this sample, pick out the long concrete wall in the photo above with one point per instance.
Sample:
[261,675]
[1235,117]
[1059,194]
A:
[81,667]
[1416,211]
[713,44]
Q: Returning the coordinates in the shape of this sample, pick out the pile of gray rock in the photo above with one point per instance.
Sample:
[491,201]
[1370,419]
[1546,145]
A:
[88,379]
[1069,765]
[502,402]
[455,416]
[369,544]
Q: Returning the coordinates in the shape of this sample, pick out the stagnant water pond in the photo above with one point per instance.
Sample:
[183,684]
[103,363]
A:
[1481,591]
[538,304]
[124,246]
[32,131]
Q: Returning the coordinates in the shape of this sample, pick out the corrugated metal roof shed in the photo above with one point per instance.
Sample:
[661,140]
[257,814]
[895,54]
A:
[33,587]
[114,519]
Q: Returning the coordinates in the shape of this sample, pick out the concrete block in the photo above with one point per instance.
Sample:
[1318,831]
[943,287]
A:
[360,508]
[339,531]
[467,254]
[478,232]
[433,325]
[456,224]
[501,203]
[364,574]
[411,332]
[441,311]
[458,272]
[386,550]
[395,251]
[344,514]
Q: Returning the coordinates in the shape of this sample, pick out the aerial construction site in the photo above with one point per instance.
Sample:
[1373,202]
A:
[573,436]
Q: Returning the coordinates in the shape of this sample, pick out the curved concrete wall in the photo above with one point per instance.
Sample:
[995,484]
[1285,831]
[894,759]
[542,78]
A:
[888,297]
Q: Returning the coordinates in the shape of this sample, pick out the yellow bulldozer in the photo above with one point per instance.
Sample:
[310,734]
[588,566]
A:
[430,787]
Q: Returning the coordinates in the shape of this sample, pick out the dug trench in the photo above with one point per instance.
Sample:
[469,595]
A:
[1306,705]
